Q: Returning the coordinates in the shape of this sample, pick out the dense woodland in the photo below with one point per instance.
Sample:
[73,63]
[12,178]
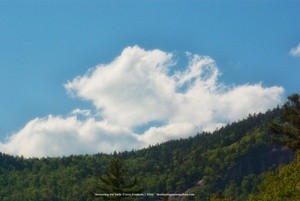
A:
[240,161]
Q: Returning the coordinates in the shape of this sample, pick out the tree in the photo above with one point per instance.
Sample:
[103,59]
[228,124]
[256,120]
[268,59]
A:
[287,131]
[115,183]
[283,184]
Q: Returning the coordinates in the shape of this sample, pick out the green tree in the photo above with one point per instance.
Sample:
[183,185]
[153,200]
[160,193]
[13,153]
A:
[115,183]
[287,131]
[283,184]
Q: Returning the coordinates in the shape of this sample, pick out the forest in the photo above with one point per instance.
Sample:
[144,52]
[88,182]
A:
[256,158]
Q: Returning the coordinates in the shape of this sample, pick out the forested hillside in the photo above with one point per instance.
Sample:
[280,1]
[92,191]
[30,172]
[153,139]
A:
[226,164]
[281,184]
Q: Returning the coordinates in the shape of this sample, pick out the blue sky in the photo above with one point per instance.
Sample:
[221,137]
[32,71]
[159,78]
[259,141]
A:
[46,44]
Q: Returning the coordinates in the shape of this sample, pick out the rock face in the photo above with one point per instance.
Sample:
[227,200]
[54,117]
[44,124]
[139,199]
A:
[269,158]
[257,161]
[200,183]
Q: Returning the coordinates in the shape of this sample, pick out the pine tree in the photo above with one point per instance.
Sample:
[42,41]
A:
[287,131]
[115,183]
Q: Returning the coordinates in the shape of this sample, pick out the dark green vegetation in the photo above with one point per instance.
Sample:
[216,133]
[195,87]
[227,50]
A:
[229,164]
[114,181]
[288,129]
[282,184]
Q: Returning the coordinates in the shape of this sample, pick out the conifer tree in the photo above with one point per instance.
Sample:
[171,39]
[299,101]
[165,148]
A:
[115,183]
[287,131]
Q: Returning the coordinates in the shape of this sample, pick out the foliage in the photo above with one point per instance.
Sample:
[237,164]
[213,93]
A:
[283,184]
[226,164]
[288,130]
[114,181]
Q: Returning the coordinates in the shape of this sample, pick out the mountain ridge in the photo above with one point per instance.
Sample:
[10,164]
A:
[229,162]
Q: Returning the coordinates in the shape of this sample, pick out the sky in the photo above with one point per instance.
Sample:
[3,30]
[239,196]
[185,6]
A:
[82,77]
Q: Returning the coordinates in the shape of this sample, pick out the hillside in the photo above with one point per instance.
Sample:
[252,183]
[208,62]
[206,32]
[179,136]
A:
[227,163]
[282,183]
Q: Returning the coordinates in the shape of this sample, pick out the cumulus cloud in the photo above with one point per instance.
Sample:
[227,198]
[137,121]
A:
[132,90]
[137,88]
[295,52]
[58,136]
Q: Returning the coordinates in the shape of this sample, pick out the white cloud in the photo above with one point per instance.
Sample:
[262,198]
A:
[132,90]
[167,132]
[135,89]
[80,112]
[295,52]
[58,136]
